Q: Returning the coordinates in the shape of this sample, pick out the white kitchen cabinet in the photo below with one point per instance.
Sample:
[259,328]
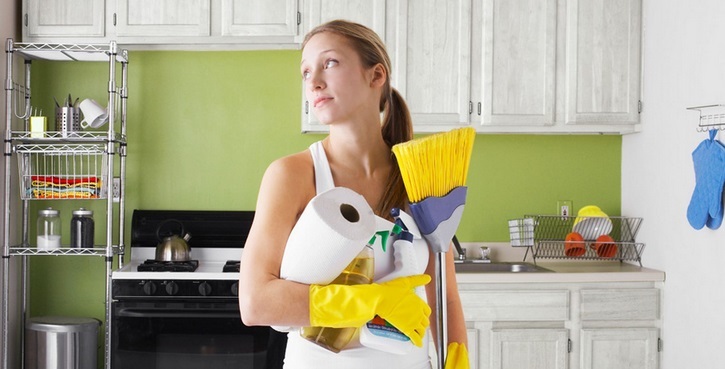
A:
[315,12]
[162,18]
[431,55]
[619,348]
[529,348]
[264,18]
[558,66]
[518,63]
[603,61]
[64,19]
[564,325]
[192,24]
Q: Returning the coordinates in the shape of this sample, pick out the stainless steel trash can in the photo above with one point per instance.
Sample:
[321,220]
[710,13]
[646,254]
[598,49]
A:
[55,342]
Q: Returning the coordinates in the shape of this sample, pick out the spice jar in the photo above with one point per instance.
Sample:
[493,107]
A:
[81,228]
[48,229]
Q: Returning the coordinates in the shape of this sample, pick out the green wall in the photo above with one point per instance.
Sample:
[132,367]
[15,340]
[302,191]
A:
[203,126]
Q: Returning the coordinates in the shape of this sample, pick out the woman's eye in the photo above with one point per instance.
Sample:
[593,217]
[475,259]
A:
[306,75]
[330,63]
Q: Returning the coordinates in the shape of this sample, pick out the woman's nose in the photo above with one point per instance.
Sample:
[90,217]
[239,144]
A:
[315,82]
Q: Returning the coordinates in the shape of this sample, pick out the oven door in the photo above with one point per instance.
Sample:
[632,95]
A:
[190,334]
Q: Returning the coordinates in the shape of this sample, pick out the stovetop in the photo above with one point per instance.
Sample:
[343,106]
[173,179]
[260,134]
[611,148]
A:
[216,246]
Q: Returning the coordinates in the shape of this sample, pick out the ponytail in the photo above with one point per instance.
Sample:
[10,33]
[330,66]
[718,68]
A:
[397,128]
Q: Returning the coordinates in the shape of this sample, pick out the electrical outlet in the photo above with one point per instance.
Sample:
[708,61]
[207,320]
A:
[564,207]
[116,189]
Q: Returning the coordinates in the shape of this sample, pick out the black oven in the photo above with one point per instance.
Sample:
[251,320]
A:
[168,318]
[190,334]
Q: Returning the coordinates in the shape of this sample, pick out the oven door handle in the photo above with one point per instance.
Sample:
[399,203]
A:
[155,313]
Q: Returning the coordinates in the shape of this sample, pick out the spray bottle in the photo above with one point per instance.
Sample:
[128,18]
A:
[378,333]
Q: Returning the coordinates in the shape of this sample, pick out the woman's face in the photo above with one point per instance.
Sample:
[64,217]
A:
[337,86]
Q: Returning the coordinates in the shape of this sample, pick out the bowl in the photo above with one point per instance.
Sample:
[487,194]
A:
[591,222]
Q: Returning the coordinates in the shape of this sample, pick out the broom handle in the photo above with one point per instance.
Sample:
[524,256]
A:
[442,313]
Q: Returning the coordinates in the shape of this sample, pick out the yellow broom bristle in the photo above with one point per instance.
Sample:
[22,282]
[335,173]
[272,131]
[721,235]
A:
[435,164]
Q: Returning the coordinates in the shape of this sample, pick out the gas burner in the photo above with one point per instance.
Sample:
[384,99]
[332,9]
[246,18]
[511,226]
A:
[151,265]
[231,266]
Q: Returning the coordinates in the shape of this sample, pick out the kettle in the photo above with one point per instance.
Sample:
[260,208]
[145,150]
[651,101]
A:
[173,247]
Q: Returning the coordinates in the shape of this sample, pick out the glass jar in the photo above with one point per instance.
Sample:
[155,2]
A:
[48,229]
[81,228]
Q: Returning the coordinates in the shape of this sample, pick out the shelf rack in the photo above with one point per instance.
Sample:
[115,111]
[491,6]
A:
[545,236]
[66,157]
[711,117]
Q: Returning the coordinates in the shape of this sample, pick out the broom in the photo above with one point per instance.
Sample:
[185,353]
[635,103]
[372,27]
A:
[434,171]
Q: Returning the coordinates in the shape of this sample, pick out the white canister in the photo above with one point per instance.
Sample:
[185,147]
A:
[48,229]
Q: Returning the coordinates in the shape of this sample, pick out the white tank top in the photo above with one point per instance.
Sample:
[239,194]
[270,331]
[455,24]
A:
[302,354]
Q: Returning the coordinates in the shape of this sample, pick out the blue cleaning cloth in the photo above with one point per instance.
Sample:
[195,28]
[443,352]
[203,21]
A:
[706,207]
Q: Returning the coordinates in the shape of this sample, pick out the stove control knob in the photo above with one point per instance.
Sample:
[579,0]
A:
[149,288]
[205,289]
[235,289]
[172,288]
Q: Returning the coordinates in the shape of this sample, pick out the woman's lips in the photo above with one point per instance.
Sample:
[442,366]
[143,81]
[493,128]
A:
[320,100]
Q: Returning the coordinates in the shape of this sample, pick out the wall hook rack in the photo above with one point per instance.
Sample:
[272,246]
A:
[711,117]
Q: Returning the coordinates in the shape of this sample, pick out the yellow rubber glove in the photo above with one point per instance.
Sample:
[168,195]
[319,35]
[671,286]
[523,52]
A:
[457,356]
[339,306]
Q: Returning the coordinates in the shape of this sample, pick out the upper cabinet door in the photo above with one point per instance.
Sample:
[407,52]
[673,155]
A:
[368,12]
[163,18]
[603,61]
[518,62]
[260,18]
[431,52]
[64,18]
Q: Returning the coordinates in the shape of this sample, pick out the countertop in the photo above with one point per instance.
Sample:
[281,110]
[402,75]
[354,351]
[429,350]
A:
[571,272]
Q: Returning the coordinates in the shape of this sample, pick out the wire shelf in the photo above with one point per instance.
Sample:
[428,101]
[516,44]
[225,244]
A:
[71,52]
[545,236]
[711,117]
[65,171]
[68,137]
[96,251]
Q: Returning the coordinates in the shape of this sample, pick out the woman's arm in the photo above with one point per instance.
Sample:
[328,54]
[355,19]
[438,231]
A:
[264,298]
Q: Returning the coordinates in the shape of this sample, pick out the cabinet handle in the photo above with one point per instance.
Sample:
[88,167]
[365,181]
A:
[479,108]
[26,19]
[470,107]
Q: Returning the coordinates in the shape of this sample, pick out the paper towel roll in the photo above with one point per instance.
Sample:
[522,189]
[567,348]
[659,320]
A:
[332,230]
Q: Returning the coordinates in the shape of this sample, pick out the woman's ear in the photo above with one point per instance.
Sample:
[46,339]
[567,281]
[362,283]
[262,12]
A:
[379,76]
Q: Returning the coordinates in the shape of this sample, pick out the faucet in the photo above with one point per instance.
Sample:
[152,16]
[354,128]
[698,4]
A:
[461,251]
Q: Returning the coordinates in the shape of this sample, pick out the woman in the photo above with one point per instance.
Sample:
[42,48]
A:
[346,72]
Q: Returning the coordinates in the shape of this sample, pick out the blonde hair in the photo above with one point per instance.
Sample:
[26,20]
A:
[397,125]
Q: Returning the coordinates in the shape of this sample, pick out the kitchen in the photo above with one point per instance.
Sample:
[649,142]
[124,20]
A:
[200,137]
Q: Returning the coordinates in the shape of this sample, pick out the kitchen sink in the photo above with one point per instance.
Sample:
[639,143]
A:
[498,267]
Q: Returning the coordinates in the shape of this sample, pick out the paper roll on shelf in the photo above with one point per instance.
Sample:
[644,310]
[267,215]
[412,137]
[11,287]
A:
[332,230]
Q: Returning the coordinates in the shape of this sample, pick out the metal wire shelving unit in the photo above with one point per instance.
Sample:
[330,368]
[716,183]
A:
[545,236]
[63,166]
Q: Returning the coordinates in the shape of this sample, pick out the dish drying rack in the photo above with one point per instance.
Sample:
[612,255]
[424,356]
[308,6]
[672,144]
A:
[711,117]
[544,236]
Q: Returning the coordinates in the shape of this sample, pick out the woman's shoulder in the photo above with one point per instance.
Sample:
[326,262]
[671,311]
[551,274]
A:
[295,165]
[290,176]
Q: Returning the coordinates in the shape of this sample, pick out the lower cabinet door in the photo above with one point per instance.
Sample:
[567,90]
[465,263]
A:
[619,348]
[529,348]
